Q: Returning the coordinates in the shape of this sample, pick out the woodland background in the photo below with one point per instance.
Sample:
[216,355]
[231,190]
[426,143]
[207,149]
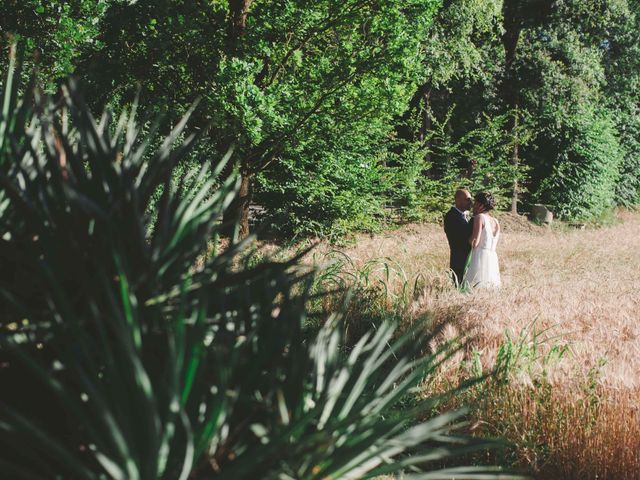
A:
[349,115]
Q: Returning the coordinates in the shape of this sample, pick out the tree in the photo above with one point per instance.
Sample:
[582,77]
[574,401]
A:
[267,71]
[458,49]
[621,42]
[573,100]
[338,109]
[57,33]
[516,16]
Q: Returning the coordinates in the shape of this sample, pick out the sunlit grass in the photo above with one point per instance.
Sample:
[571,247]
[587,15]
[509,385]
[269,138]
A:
[573,415]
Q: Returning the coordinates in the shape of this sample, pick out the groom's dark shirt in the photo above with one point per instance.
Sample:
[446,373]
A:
[458,231]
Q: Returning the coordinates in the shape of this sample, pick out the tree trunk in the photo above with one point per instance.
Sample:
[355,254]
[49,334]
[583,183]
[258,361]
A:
[509,89]
[237,213]
[425,124]
[515,160]
[420,103]
[238,10]
[425,119]
[245,196]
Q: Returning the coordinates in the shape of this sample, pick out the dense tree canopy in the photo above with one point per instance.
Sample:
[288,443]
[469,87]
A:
[309,89]
[344,114]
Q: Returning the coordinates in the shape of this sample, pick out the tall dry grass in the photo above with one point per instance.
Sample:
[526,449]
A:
[573,415]
[565,434]
[580,286]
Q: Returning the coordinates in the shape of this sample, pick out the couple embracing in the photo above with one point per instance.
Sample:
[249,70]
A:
[473,261]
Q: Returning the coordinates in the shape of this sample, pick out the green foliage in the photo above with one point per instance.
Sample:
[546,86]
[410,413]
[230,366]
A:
[128,352]
[479,160]
[583,181]
[578,57]
[488,150]
[347,115]
[581,148]
[327,186]
[525,355]
[58,32]
[307,92]
[409,187]
[459,42]
[628,187]
[622,67]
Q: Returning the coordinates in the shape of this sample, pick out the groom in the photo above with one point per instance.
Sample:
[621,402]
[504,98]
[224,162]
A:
[458,230]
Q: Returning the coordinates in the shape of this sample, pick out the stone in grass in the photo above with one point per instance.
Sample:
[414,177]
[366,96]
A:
[541,214]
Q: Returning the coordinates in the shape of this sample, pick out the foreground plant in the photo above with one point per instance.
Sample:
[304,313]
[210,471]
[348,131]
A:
[129,352]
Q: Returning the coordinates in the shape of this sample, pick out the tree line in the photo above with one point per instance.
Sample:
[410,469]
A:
[340,112]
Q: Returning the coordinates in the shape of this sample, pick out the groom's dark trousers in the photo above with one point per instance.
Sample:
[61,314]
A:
[458,231]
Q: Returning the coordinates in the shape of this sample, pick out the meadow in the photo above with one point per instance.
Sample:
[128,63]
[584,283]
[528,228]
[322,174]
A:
[563,333]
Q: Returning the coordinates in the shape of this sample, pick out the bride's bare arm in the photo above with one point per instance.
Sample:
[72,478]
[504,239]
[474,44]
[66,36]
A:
[477,230]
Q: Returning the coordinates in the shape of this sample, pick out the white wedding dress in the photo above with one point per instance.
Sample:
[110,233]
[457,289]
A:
[483,270]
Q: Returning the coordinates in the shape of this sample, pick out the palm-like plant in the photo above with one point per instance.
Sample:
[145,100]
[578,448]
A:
[128,352]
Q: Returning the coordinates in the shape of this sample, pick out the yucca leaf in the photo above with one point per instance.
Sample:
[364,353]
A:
[172,370]
[17,472]
[10,94]
[48,444]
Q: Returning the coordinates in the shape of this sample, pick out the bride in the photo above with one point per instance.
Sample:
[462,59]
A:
[482,267]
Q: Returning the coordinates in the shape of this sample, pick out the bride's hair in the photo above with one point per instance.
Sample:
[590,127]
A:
[486,200]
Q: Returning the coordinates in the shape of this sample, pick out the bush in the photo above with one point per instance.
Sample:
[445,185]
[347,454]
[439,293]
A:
[127,351]
[328,187]
[411,190]
[428,175]
[582,183]
[628,187]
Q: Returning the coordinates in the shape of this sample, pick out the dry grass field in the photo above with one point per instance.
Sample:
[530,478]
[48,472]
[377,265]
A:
[569,313]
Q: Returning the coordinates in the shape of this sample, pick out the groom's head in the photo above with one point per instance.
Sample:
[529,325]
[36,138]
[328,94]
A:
[463,199]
